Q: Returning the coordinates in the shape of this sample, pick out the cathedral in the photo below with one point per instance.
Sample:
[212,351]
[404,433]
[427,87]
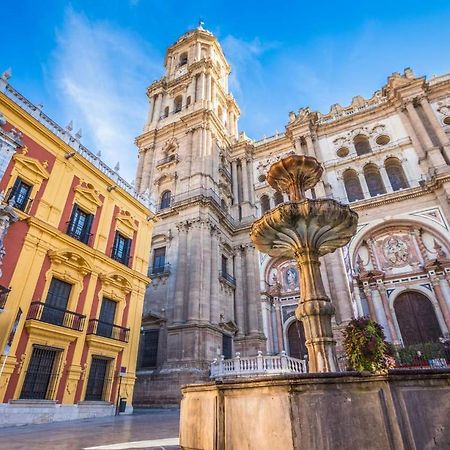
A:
[212,293]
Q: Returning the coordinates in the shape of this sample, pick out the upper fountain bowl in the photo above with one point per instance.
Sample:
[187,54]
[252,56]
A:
[294,175]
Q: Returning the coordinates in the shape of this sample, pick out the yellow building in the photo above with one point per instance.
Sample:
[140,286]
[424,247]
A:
[74,272]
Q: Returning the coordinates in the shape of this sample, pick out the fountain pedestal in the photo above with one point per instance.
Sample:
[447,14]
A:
[305,229]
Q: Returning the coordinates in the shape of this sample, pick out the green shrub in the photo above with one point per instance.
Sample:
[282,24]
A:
[366,347]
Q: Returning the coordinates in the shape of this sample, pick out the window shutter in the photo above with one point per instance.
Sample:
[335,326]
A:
[115,245]
[126,251]
[73,215]
[87,227]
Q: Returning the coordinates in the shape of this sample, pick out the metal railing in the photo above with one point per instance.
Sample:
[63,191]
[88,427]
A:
[167,159]
[108,330]
[56,316]
[160,270]
[226,276]
[83,237]
[4,292]
[428,354]
[257,365]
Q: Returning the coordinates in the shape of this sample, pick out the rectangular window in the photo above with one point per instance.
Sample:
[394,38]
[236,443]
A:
[80,224]
[224,265]
[106,318]
[56,302]
[97,382]
[121,248]
[149,348]
[227,346]
[159,260]
[40,378]
[20,193]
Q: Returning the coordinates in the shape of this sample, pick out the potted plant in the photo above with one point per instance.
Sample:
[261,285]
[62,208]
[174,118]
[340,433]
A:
[366,347]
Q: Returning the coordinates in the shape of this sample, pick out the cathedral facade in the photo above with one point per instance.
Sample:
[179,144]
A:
[212,293]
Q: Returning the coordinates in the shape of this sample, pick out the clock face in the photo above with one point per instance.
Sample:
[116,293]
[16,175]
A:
[180,71]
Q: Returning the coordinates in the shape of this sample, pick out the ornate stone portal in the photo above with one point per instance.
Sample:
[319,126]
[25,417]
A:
[305,230]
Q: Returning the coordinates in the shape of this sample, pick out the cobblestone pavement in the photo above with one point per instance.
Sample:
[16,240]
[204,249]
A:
[145,429]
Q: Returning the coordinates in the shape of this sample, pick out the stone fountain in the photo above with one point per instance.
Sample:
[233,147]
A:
[304,229]
[314,411]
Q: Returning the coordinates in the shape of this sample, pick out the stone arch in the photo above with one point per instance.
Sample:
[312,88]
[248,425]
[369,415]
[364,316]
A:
[395,173]
[362,144]
[352,185]
[265,203]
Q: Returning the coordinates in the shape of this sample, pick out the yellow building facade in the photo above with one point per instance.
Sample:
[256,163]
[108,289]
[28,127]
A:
[74,273]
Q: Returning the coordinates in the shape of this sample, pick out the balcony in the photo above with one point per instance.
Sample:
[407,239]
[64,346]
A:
[108,330]
[158,271]
[83,237]
[167,160]
[4,292]
[224,276]
[257,366]
[56,316]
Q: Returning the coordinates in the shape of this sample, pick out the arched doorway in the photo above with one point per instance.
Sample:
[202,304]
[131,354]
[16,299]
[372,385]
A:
[416,318]
[296,340]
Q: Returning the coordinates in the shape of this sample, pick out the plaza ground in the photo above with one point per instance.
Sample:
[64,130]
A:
[145,429]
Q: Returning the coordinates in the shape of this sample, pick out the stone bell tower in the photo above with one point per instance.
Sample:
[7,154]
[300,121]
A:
[204,298]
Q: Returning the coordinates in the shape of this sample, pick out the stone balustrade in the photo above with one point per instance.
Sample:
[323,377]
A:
[257,365]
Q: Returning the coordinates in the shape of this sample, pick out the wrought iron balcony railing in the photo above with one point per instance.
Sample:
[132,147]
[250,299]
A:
[226,276]
[167,159]
[108,330]
[56,316]
[160,270]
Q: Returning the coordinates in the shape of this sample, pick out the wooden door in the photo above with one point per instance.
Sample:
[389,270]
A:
[416,318]
[296,340]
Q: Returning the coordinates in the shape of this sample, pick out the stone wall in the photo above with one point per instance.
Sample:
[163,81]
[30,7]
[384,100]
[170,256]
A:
[26,412]
[402,410]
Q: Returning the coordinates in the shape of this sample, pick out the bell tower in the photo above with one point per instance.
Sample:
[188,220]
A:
[204,299]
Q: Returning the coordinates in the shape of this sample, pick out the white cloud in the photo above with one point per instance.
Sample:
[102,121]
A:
[100,74]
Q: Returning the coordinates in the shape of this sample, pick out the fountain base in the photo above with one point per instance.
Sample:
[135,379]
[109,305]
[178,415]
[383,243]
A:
[403,409]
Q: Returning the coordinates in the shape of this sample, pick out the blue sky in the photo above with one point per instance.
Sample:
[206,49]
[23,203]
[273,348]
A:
[90,61]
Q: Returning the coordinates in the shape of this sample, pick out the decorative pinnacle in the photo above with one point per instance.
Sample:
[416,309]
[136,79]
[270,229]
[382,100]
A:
[294,175]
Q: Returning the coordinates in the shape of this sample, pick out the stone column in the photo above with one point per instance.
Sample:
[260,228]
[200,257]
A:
[441,300]
[372,311]
[146,169]
[357,294]
[310,145]
[180,282]
[202,86]
[363,182]
[385,178]
[205,265]
[268,318]
[194,270]
[234,177]
[414,139]
[157,111]
[435,156]
[440,133]
[387,312]
[215,300]
[279,327]
[239,292]
[244,179]
[208,87]
[140,166]
[298,146]
[252,291]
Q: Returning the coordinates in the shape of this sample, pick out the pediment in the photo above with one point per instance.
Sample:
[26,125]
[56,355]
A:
[31,168]
[117,280]
[70,258]
[126,222]
[88,196]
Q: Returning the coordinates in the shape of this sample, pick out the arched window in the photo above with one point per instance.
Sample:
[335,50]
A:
[188,101]
[223,203]
[278,198]
[352,186]
[177,104]
[374,180]
[265,203]
[166,198]
[166,111]
[362,144]
[396,174]
[296,340]
[183,59]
